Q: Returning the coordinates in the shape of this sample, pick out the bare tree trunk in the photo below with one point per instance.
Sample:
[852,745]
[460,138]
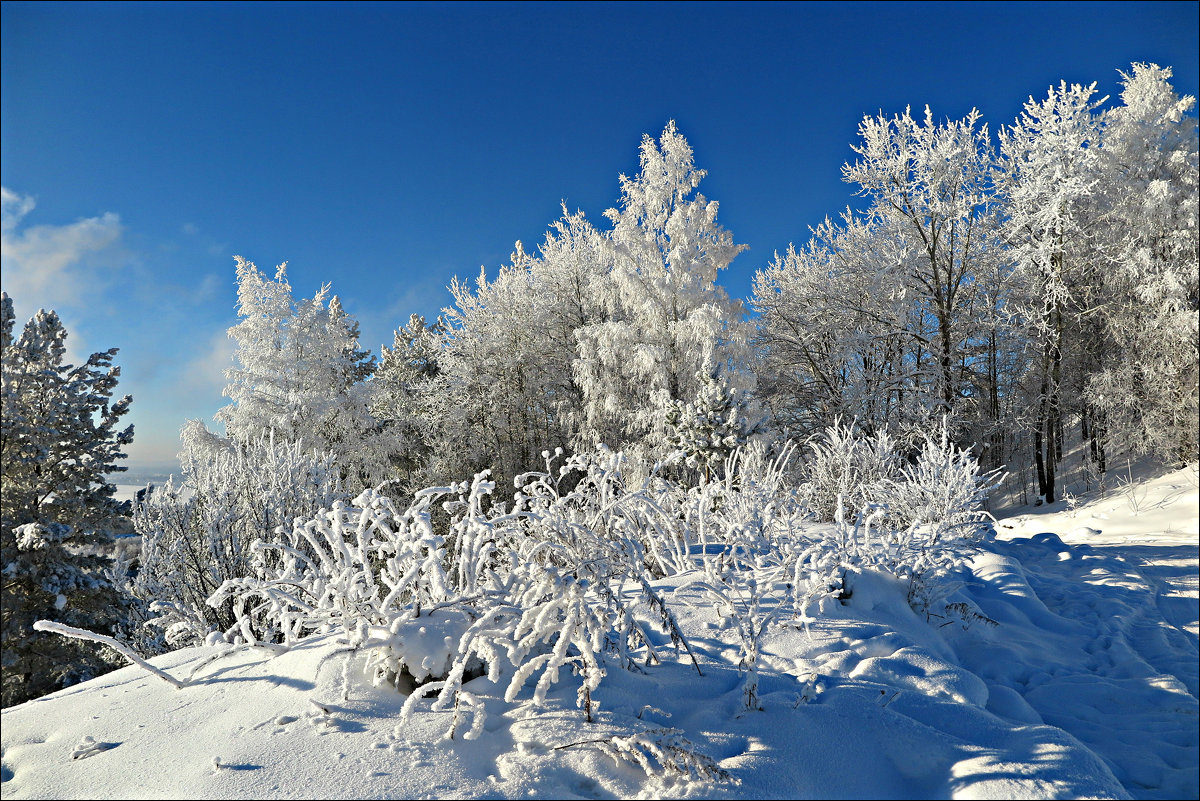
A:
[1045,451]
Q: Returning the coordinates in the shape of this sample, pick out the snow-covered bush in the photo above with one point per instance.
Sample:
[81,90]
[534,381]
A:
[743,523]
[942,491]
[564,579]
[198,534]
[549,585]
[924,523]
[354,566]
[741,587]
[660,752]
[755,503]
[843,467]
[594,508]
[821,565]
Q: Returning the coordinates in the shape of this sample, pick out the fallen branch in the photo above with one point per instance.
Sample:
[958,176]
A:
[123,650]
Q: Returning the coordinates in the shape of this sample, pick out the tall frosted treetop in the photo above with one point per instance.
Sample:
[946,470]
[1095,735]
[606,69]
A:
[296,359]
[665,311]
[660,220]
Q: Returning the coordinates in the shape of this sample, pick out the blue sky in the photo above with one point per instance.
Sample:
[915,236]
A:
[388,147]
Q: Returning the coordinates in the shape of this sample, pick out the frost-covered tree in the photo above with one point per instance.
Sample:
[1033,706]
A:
[930,185]
[665,310]
[60,439]
[406,395]
[838,337]
[493,385]
[703,433]
[1150,289]
[504,377]
[300,373]
[593,338]
[894,316]
[573,268]
[1050,180]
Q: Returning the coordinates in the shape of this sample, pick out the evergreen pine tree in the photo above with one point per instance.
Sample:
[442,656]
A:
[58,443]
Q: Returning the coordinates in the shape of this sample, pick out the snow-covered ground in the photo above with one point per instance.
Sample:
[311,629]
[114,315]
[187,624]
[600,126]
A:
[127,492]
[1072,672]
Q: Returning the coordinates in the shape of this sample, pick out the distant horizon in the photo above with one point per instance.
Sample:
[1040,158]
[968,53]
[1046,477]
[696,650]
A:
[388,147]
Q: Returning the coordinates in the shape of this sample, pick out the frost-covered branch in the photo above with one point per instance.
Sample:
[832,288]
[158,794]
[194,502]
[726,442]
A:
[123,650]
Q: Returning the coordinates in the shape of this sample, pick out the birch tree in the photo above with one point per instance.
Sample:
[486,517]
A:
[890,317]
[1150,289]
[930,184]
[1050,179]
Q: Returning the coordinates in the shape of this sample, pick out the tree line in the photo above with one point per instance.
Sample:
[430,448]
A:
[1018,287]
[1021,285]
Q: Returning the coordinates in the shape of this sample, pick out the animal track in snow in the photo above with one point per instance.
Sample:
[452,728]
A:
[88,747]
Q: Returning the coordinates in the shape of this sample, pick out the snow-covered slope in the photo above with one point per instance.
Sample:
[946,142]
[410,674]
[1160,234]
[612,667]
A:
[1071,672]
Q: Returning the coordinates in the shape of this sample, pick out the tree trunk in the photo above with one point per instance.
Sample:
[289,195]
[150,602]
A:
[1044,436]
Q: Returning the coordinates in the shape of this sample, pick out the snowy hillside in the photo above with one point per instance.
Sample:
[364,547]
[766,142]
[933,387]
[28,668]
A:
[1070,672]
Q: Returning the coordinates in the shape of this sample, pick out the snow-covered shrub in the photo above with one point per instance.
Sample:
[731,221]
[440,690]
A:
[587,548]
[660,752]
[400,591]
[197,534]
[591,507]
[924,524]
[549,585]
[359,566]
[936,508]
[942,491]
[843,467]
[741,587]
[541,621]
[756,498]
[563,580]
[743,523]
[821,565]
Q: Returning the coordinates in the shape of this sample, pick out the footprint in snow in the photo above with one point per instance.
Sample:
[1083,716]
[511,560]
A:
[89,747]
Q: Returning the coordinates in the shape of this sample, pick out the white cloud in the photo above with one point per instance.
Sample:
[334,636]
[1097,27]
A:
[377,325]
[191,391]
[210,286]
[204,376]
[14,208]
[45,265]
[211,246]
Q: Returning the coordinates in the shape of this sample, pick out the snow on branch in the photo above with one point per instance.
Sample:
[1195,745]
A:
[662,750]
[83,634]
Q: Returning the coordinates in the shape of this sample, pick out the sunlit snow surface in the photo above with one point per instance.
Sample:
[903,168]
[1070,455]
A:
[1086,687]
